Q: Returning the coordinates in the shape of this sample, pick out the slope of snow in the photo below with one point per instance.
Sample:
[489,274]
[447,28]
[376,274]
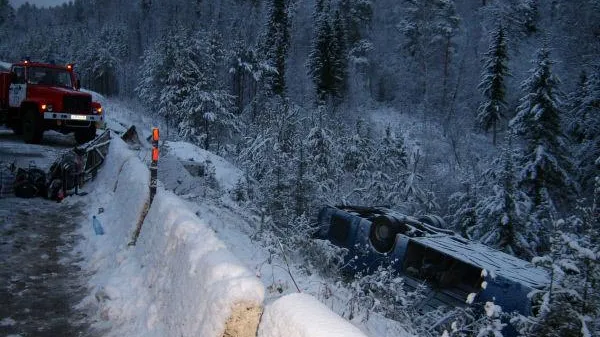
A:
[227,175]
[301,315]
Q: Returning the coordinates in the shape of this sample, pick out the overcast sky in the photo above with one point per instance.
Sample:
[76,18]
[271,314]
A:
[39,3]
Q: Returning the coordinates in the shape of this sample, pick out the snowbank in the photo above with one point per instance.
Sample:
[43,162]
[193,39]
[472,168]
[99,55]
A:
[121,189]
[196,282]
[179,280]
[301,315]
[119,194]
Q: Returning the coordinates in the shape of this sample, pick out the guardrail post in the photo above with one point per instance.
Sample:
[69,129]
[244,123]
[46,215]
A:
[153,179]
[154,163]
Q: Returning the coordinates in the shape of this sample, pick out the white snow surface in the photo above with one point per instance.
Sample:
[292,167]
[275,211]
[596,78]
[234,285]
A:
[227,175]
[301,315]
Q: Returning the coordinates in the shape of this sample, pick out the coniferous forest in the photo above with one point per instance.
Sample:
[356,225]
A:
[484,112]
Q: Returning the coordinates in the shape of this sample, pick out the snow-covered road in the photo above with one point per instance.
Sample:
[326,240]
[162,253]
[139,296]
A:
[40,279]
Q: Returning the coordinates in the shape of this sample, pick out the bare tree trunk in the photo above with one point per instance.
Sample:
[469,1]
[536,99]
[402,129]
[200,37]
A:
[207,139]
[425,82]
[446,71]
[452,105]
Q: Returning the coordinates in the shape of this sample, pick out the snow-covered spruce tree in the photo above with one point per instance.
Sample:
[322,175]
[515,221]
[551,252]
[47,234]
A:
[152,73]
[463,211]
[357,162]
[429,27]
[338,29]
[520,18]
[6,11]
[208,116]
[289,140]
[503,215]
[574,118]
[538,120]
[390,163]
[279,185]
[356,16]
[586,117]
[596,198]
[268,154]
[276,44]
[247,71]
[339,55]
[179,76]
[158,86]
[357,19]
[277,170]
[493,87]
[327,62]
[427,22]
[319,64]
[321,152]
[584,240]
[567,306]
[102,59]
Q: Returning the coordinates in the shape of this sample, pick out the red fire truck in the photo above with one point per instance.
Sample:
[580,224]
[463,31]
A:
[35,97]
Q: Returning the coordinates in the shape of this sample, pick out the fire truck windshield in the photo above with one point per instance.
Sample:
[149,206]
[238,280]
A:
[49,76]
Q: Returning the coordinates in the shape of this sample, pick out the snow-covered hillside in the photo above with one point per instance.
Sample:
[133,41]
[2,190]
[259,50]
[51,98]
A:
[157,288]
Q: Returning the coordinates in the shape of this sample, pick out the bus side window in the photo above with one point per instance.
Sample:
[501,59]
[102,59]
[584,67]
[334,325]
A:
[18,75]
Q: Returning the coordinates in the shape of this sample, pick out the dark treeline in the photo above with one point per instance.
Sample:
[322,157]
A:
[491,110]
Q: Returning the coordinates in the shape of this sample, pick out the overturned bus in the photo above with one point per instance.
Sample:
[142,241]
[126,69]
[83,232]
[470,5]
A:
[451,266]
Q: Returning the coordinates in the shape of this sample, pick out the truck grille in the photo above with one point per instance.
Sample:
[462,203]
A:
[77,104]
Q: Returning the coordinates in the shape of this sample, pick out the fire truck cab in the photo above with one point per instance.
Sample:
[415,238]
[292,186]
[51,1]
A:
[35,97]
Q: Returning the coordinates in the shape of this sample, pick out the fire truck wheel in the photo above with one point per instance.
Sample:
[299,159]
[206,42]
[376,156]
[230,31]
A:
[85,135]
[17,128]
[32,127]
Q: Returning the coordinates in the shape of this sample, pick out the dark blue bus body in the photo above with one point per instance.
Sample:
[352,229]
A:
[451,266]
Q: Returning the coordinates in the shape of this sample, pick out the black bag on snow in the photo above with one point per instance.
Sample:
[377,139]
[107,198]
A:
[30,183]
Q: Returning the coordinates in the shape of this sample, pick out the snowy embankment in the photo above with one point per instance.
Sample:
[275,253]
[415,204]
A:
[180,279]
[301,315]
